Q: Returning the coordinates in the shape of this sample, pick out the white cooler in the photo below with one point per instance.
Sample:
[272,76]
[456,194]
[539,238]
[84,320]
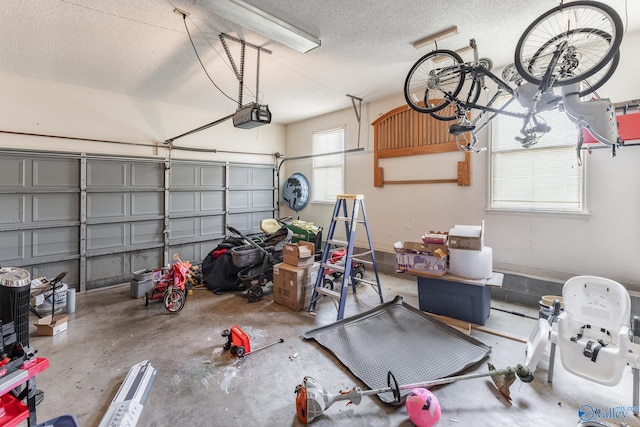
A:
[471,264]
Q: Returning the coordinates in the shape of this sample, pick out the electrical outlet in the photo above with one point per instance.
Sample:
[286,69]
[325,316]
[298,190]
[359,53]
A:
[407,225]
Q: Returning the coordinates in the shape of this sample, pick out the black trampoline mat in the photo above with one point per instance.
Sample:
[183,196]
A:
[399,338]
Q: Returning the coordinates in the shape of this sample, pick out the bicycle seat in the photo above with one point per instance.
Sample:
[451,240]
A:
[458,129]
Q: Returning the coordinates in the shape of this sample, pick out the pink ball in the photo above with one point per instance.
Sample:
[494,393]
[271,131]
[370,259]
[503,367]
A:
[423,408]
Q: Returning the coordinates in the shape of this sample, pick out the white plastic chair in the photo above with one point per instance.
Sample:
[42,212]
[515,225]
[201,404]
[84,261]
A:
[593,332]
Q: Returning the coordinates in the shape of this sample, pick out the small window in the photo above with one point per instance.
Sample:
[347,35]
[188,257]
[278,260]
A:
[544,177]
[328,179]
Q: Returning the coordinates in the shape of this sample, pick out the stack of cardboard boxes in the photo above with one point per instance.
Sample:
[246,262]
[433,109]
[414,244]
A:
[422,258]
[295,277]
[454,272]
[460,252]
[464,293]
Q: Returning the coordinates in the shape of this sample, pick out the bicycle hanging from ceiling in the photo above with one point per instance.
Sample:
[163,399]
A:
[573,46]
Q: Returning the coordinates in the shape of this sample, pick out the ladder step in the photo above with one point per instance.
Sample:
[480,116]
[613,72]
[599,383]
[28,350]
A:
[348,219]
[328,292]
[337,242]
[368,282]
[363,253]
[350,197]
[334,267]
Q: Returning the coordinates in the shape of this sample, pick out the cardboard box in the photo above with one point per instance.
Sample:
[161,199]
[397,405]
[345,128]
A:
[299,254]
[420,259]
[438,250]
[48,327]
[293,286]
[467,237]
[435,237]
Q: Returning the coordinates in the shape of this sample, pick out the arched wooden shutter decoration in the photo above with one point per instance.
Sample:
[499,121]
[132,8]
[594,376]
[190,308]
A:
[406,132]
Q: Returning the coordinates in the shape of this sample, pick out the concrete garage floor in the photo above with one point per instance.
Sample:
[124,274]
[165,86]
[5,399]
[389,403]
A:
[199,384]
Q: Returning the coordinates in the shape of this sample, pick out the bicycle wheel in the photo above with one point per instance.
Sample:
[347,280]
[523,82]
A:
[446,114]
[433,81]
[592,32]
[597,79]
[450,112]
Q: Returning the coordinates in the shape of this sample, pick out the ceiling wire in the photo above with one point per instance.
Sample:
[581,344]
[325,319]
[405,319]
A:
[272,58]
[184,19]
[105,12]
[72,3]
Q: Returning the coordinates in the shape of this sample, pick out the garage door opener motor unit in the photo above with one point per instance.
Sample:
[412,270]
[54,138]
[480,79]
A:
[251,116]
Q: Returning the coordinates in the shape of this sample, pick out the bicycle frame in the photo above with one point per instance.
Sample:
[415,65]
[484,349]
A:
[596,115]
[476,75]
[574,47]
[478,72]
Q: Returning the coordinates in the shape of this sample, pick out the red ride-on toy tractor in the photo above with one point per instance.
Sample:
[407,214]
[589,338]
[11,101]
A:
[337,258]
[171,288]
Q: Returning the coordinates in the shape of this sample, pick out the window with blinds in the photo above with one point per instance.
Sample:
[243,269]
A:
[545,177]
[328,180]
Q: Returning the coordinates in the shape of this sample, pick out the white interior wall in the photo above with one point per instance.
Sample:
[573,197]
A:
[554,246]
[45,108]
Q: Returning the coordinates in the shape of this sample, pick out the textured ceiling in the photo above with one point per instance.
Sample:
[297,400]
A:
[141,48]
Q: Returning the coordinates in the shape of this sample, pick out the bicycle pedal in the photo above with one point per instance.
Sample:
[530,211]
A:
[457,129]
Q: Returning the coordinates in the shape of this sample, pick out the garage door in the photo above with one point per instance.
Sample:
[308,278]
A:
[40,214]
[101,218]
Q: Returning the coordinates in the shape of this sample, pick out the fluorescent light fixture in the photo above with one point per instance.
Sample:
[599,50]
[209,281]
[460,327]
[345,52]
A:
[436,37]
[460,52]
[261,22]
[464,50]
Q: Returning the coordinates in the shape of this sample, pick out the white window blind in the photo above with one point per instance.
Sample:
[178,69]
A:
[545,177]
[328,169]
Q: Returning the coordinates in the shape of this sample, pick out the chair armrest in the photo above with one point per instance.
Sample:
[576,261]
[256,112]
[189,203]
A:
[624,339]
[626,331]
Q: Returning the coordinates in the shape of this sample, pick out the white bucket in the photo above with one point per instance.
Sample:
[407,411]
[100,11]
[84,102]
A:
[71,301]
[546,305]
